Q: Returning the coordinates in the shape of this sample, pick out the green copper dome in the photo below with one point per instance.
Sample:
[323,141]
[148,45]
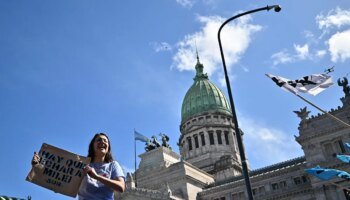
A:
[203,96]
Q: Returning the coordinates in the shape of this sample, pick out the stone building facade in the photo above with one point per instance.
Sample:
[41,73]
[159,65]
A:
[209,167]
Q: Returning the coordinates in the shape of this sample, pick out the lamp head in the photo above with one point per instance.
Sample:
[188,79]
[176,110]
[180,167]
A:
[277,8]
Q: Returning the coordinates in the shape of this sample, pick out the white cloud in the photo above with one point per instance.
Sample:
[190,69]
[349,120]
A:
[267,145]
[281,57]
[162,46]
[321,53]
[235,38]
[309,35]
[335,18]
[311,38]
[190,3]
[245,69]
[339,46]
[335,25]
[186,3]
[339,42]
[222,81]
[302,51]
[210,2]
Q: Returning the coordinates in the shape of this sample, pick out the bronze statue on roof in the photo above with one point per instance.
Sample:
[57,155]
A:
[346,87]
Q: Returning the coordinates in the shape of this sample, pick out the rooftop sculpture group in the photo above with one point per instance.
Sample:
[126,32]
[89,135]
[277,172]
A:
[154,144]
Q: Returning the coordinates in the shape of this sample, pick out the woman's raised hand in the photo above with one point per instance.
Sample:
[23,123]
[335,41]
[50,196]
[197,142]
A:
[36,158]
[91,171]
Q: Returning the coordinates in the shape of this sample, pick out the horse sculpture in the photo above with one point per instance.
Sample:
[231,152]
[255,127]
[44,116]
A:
[165,140]
[155,141]
[149,146]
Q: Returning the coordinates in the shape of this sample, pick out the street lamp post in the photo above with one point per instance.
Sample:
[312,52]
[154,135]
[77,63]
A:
[277,8]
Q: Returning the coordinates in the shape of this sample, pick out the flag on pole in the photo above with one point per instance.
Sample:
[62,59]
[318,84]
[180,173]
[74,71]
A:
[327,174]
[344,158]
[140,137]
[312,84]
[347,147]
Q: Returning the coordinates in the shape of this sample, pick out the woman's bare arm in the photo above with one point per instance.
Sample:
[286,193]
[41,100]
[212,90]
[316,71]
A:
[118,184]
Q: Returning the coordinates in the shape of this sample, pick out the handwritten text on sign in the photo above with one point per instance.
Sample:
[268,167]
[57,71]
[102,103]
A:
[58,170]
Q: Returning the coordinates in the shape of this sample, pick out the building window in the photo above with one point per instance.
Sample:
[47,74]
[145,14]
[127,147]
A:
[328,149]
[331,148]
[189,141]
[255,191]
[275,186]
[226,137]
[218,134]
[222,198]
[211,137]
[304,178]
[283,184]
[201,119]
[300,180]
[259,191]
[196,143]
[203,139]
[262,190]
[238,196]
[297,180]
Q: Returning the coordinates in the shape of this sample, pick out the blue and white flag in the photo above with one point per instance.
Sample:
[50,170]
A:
[140,137]
[347,147]
[327,174]
[312,84]
[344,158]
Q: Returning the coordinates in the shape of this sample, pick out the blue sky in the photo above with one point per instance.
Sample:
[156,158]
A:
[70,69]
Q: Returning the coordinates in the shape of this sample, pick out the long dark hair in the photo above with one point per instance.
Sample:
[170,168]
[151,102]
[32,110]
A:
[91,154]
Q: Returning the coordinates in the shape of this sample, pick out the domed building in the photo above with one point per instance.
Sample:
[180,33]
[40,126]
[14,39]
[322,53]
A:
[207,138]
[209,167]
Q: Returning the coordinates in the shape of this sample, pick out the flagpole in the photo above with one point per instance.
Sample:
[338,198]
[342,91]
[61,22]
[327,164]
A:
[135,159]
[328,114]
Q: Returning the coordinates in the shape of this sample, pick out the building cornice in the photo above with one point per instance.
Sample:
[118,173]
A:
[275,168]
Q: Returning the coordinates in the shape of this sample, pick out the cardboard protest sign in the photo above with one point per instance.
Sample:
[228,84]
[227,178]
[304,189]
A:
[58,170]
